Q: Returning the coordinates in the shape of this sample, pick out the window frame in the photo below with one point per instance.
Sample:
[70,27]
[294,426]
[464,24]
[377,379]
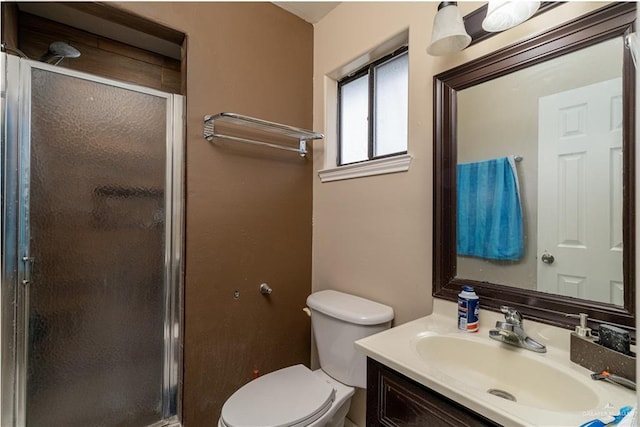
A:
[370,71]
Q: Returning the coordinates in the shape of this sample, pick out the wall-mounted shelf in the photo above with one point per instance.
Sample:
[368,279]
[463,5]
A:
[253,123]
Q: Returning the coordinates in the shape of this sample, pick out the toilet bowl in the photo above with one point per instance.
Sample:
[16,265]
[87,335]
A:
[293,396]
[296,396]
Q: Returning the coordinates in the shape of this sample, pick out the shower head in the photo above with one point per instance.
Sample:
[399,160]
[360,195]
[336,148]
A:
[60,50]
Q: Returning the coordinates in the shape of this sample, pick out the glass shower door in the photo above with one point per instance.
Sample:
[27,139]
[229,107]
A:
[101,254]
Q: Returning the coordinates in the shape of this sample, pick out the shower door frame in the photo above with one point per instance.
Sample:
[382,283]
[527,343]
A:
[15,142]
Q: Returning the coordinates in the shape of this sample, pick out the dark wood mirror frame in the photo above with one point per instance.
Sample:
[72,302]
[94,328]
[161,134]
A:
[615,20]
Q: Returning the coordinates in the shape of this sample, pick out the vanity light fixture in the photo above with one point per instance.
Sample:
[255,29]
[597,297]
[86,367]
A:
[449,34]
[504,14]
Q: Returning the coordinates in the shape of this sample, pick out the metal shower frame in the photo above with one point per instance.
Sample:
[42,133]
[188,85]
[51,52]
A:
[15,258]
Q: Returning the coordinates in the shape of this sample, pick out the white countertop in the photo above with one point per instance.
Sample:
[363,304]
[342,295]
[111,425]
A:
[395,348]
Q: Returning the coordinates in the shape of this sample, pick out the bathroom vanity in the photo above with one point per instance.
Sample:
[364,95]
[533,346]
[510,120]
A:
[427,372]
[393,399]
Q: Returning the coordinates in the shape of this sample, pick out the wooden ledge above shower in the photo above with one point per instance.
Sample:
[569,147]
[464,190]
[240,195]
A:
[147,53]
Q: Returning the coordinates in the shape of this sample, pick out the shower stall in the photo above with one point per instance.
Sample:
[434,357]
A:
[91,279]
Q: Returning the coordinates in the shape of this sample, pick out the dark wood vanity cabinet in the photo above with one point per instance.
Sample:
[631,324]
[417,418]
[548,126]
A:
[394,400]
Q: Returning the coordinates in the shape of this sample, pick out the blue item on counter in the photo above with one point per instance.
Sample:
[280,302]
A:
[609,419]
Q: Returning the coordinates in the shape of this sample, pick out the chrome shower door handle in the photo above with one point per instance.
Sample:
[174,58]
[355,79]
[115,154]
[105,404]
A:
[28,267]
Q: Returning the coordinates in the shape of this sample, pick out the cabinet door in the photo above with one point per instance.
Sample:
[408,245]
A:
[394,400]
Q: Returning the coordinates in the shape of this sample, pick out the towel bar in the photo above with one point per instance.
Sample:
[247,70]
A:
[273,128]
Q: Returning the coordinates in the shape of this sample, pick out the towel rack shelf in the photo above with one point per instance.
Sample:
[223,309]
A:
[277,129]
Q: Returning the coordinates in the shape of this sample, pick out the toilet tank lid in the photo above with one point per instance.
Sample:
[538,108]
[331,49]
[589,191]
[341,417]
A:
[350,308]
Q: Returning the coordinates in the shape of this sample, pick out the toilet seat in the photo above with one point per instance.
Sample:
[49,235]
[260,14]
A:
[290,397]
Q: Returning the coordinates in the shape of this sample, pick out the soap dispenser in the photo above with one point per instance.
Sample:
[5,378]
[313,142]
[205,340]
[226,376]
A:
[582,343]
[582,330]
[587,352]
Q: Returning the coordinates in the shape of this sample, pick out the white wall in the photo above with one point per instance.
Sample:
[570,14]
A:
[373,236]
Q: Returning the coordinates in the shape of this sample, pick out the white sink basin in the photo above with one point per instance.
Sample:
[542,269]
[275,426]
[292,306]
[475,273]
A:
[507,372]
[549,389]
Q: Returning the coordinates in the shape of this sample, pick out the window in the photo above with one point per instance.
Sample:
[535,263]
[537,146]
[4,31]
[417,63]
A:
[373,110]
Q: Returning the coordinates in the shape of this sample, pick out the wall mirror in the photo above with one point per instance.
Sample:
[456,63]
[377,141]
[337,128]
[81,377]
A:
[534,174]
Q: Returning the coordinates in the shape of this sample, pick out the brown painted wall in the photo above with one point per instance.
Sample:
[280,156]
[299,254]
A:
[248,209]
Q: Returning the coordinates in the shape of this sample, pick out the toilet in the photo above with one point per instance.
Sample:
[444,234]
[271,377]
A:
[296,396]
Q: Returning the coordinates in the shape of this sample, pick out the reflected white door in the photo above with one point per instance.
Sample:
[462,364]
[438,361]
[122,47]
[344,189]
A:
[580,193]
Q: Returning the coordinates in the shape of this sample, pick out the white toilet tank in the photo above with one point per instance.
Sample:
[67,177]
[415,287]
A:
[338,320]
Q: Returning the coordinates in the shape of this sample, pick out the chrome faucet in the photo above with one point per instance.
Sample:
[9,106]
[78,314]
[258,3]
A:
[512,332]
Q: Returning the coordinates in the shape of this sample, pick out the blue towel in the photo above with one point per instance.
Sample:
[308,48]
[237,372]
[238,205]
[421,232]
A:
[489,221]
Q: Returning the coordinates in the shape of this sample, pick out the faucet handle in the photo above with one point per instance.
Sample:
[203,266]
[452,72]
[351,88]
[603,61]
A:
[512,315]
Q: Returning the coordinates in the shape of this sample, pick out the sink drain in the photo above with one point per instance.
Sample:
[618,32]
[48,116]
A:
[501,393]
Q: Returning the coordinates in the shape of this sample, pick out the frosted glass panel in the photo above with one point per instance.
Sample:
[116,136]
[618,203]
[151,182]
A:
[354,111]
[391,104]
[96,313]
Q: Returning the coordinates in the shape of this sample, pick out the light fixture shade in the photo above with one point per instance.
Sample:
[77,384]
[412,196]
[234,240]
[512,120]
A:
[449,34]
[503,14]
